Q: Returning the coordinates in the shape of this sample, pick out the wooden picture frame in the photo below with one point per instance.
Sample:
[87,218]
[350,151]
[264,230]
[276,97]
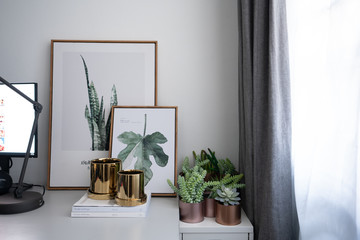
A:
[84,75]
[145,138]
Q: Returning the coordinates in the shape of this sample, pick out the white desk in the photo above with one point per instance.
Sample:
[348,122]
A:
[53,221]
[210,230]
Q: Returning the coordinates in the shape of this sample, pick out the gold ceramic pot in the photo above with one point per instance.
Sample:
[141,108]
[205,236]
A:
[228,215]
[103,178]
[130,188]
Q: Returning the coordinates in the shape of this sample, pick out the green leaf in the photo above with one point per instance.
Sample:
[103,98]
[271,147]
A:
[113,98]
[97,137]
[96,115]
[113,102]
[131,139]
[141,148]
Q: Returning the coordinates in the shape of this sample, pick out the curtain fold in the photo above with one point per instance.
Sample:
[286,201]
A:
[265,119]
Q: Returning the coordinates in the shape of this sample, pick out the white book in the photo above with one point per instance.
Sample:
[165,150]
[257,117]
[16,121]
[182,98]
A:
[107,214]
[87,207]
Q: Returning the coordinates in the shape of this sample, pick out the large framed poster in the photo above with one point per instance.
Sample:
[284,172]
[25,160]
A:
[87,79]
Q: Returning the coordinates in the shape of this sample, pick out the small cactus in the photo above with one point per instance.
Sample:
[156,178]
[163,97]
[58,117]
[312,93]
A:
[227,196]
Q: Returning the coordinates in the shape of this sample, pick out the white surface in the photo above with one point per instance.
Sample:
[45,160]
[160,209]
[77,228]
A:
[87,207]
[216,236]
[197,60]
[53,221]
[209,229]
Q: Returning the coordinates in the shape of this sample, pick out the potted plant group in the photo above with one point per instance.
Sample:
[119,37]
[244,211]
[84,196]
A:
[228,209]
[191,187]
[220,172]
[228,181]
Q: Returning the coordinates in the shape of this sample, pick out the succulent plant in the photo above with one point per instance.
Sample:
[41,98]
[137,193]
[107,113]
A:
[227,196]
[216,168]
[197,162]
[192,185]
[228,181]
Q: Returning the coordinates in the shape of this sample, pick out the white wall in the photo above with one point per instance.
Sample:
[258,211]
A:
[197,60]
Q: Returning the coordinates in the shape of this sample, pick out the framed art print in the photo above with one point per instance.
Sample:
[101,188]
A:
[87,79]
[145,138]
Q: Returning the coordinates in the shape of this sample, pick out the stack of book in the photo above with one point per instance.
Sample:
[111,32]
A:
[88,208]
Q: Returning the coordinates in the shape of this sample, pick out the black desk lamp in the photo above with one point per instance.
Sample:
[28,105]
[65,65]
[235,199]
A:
[21,200]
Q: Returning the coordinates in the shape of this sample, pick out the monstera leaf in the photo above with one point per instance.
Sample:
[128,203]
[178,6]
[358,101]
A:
[142,147]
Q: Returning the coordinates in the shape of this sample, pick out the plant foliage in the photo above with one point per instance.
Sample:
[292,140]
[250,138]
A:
[214,167]
[192,185]
[142,147]
[186,167]
[228,181]
[95,115]
[227,196]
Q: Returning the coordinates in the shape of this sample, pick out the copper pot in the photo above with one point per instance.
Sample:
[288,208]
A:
[228,215]
[191,212]
[210,207]
[103,178]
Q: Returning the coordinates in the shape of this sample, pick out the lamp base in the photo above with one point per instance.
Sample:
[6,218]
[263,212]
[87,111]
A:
[30,200]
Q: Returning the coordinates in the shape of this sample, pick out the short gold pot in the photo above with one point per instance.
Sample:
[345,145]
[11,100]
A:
[130,188]
[103,178]
[228,215]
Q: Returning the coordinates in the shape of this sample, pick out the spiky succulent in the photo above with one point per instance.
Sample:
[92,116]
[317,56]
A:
[227,196]
[228,181]
[192,185]
[186,164]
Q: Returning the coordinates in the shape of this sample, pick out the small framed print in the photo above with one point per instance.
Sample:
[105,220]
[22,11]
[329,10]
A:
[87,79]
[145,138]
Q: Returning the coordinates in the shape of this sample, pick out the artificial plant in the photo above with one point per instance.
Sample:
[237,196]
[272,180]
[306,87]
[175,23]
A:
[191,185]
[227,196]
[215,168]
[228,181]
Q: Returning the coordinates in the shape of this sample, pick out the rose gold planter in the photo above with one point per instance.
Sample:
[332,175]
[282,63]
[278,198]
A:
[209,207]
[191,212]
[228,215]
[103,178]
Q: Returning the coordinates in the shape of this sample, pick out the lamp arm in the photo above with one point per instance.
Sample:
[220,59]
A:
[19,92]
[38,108]
[20,188]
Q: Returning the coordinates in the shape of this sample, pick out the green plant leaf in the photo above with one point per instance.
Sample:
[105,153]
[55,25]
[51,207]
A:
[131,139]
[142,147]
[113,102]
[152,148]
[95,115]
[97,137]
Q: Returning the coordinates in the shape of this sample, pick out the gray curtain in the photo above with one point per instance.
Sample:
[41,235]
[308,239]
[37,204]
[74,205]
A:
[265,119]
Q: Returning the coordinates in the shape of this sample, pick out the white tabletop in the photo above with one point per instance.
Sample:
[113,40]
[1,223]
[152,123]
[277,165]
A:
[210,226]
[53,221]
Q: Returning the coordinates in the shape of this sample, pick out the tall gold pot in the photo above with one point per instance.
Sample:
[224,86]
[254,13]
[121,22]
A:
[103,178]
